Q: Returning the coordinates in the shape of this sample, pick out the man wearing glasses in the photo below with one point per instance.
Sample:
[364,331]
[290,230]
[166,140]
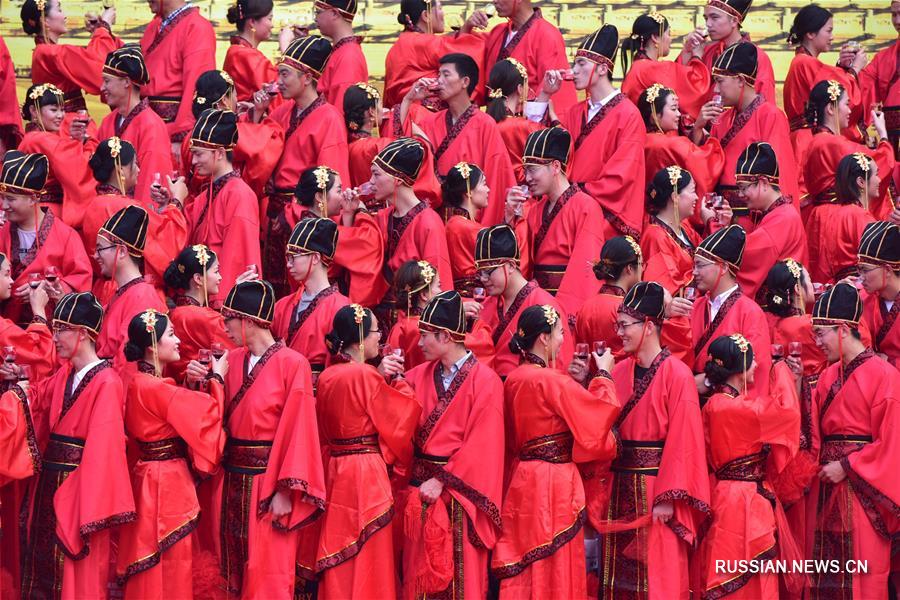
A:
[879,273]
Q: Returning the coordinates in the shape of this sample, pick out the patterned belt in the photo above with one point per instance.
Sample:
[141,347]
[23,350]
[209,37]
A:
[63,453]
[892,119]
[836,447]
[828,196]
[553,448]
[549,277]
[424,466]
[744,468]
[364,444]
[165,106]
[248,457]
[639,457]
[73,101]
[167,449]
[738,205]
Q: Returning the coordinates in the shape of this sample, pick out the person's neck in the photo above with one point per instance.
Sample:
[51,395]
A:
[737,382]
[354,353]
[648,351]
[467,206]
[810,49]
[404,201]
[250,37]
[541,352]
[195,293]
[652,52]
[259,340]
[852,348]
[601,89]
[726,283]
[748,98]
[891,289]
[733,38]
[514,285]
[667,216]
[523,12]
[453,356]
[168,10]
[126,271]
[512,103]
[128,105]
[458,104]
[114,183]
[559,187]
[771,197]
[84,355]
[342,30]
[623,283]
[306,97]
[30,223]
[317,280]
[223,167]
[51,37]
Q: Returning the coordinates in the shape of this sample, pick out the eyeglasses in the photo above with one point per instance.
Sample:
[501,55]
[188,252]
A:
[865,271]
[371,331]
[702,265]
[742,188]
[486,273]
[100,249]
[620,326]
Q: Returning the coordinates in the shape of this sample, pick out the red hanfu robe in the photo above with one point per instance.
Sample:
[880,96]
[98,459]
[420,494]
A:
[705,163]
[405,335]
[765,74]
[176,57]
[130,299]
[691,82]
[56,244]
[833,233]
[738,314]
[18,445]
[457,442]
[539,46]
[854,422]
[83,489]
[884,326]
[609,161]
[515,132]
[462,232]
[225,219]
[34,346]
[144,130]
[555,423]
[177,432]
[345,67]
[306,332]
[10,109]
[273,445]
[596,321]
[365,425]
[661,459]
[250,69]
[473,138]
[501,323]
[879,83]
[777,236]
[565,243]
[358,260]
[668,259]
[197,327]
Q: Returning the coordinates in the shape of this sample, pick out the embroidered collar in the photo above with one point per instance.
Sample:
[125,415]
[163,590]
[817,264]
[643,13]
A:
[612,290]
[506,50]
[685,242]
[186,301]
[533,359]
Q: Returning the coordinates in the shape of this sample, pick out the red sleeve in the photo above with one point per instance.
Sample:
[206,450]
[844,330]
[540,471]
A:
[395,413]
[198,56]
[19,456]
[499,173]
[10,117]
[167,235]
[590,414]
[34,346]
[432,242]
[250,69]
[258,151]
[579,282]
[197,417]
[154,150]
[360,251]
[75,270]
[241,238]
[80,65]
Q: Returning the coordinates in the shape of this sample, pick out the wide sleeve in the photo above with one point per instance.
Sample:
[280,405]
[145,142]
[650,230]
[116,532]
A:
[34,346]
[590,414]
[19,456]
[360,251]
[432,241]
[578,282]
[395,412]
[71,170]
[241,238]
[333,150]
[760,255]
[780,418]
[82,66]
[258,151]
[10,115]
[198,56]
[197,417]
[75,270]
[154,150]
[499,172]
[167,235]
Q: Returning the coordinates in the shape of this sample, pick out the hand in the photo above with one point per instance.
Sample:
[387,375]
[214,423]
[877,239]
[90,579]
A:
[78,130]
[220,366]
[552,82]
[706,212]
[724,214]
[878,122]
[286,36]
[281,504]
[859,62]
[108,15]
[22,292]
[846,57]
[795,364]
[261,102]
[894,217]
[195,372]
[419,90]
[391,366]
[578,370]
[605,361]
[38,299]
[9,371]
[693,42]
[248,275]
[679,307]
[477,20]
[177,187]
[833,472]
[242,108]
[349,201]
[160,195]
[709,112]
[431,490]
[91,21]
[663,512]
[471,309]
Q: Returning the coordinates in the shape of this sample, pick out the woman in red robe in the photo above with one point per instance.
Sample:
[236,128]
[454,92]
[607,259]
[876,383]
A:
[365,425]
[10,117]
[465,193]
[33,344]
[250,69]
[177,433]
[749,440]
[507,91]
[540,553]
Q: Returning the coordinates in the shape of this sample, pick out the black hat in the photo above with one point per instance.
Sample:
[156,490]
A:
[837,306]
[210,88]
[733,353]
[127,226]
[734,8]
[346,8]
[314,235]
[494,245]
[725,245]
[252,300]
[24,173]
[45,94]
[79,309]
[215,129]
[444,312]
[600,47]
[546,145]
[757,161]
[646,300]
[880,245]
[307,54]
[193,260]
[402,159]
[738,60]
[127,61]
[312,181]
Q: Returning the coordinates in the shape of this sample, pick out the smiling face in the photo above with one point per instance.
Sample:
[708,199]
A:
[707,274]
[687,199]
[263,27]
[167,346]
[50,116]
[130,174]
[292,83]
[671,114]
[480,194]
[106,254]
[116,91]
[213,279]
[494,279]
[821,40]
[18,207]
[631,331]
[664,43]
[540,178]
[203,160]
[827,340]
[554,340]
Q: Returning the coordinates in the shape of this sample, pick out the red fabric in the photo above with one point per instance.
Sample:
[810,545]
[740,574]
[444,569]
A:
[691,82]
[345,67]
[515,132]
[309,338]
[665,260]
[461,235]
[358,258]
[250,69]
[10,109]
[596,321]
[363,150]
[150,138]
[540,49]
[73,67]
[117,314]
[765,74]
[405,335]
[18,445]
[779,235]
[609,163]
[878,80]
[705,162]
[197,327]
[874,311]
[34,346]
[186,52]
[799,329]
[833,232]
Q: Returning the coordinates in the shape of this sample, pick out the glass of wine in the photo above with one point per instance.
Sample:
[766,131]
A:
[204,357]
[51,274]
[24,372]
[777,351]
[489,9]
[386,350]
[34,280]
[600,348]
[9,354]
[690,293]
[217,349]
[568,75]
[795,349]
[581,351]
[478,294]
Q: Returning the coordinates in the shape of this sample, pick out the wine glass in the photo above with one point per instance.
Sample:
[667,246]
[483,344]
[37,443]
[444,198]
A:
[51,274]
[690,293]
[581,351]
[600,348]
[795,349]
[777,351]
[717,101]
[568,75]
[489,9]
[478,294]
[217,349]
[385,350]
[9,354]
[204,357]
[34,280]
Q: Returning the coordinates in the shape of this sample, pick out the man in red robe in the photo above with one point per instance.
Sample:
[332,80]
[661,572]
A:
[35,238]
[179,44]
[458,459]
[879,270]
[879,83]
[462,132]
[347,64]
[131,118]
[853,505]
[10,118]
[508,294]
[564,226]
[84,487]
[610,135]
[750,119]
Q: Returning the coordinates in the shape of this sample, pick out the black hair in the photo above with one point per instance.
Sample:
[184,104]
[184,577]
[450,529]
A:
[814,112]
[646,110]
[660,189]
[617,254]
[357,103]
[307,187]
[31,17]
[506,78]
[848,170]
[180,271]
[779,290]
[103,165]
[454,187]
[243,10]
[726,359]
[809,19]
[643,29]
[409,277]
[139,339]
[210,87]
[465,66]
[48,98]
[532,323]
[345,330]
[410,12]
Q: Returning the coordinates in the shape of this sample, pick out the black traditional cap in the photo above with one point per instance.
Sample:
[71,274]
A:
[733,8]
[210,88]
[24,173]
[307,55]
[880,245]
[757,161]
[444,312]
[402,159]
[252,300]
[79,309]
[738,60]
[646,300]
[127,61]
[838,306]
[601,46]
[494,245]
[725,245]
[346,8]
[314,235]
[546,145]
[733,353]
[214,130]
[128,226]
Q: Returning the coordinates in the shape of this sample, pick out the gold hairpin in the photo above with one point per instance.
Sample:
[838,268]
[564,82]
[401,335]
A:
[464,169]
[495,93]
[39,91]
[862,160]
[41,4]
[519,67]
[358,313]
[201,253]
[656,16]
[794,268]
[322,174]
[634,245]
[115,147]
[654,91]
[199,99]
[428,272]
[227,78]
[674,175]
[834,90]
[741,342]
[149,319]
[550,314]
[371,92]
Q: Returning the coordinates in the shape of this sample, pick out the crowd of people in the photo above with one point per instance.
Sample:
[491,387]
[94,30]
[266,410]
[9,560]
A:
[269,332]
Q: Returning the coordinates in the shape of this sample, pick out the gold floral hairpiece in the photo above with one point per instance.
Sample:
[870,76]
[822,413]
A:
[495,93]
[834,90]
[199,99]
[150,320]
[322,174]
[428,272]
[464,169]
[359,314]
[550,314]
[674,175]
[794,268]
[39,91]
[115,147]
[371,92]
[657,16]
[41,4]
[741,342]
[201,252]
[519,67]
[634,245]
[227,78]
[862,160]
[654,91]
